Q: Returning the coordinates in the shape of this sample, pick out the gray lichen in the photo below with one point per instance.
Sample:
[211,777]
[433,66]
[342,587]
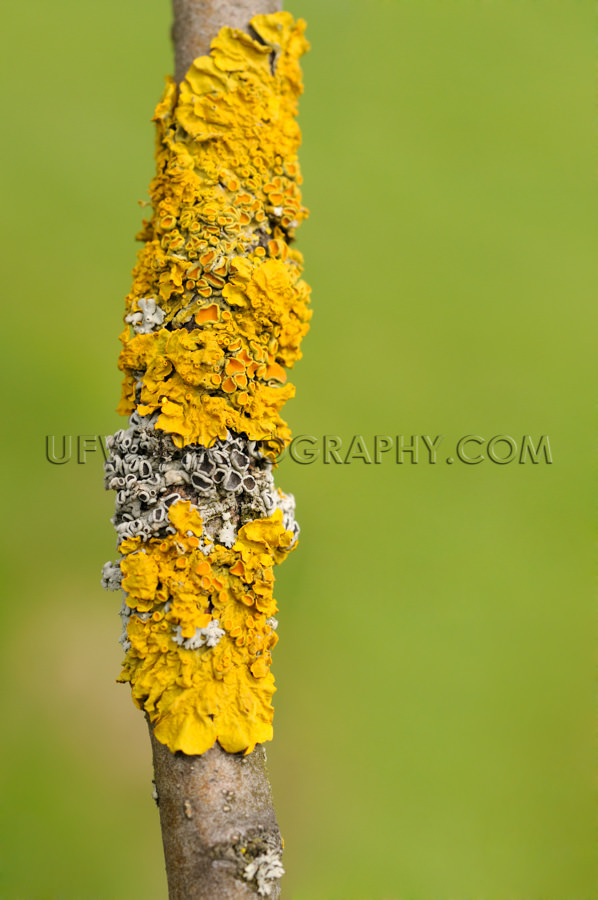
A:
[230,483]
[265,871]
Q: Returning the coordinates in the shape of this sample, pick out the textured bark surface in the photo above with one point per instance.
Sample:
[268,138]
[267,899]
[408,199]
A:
[217,819]
[196,22]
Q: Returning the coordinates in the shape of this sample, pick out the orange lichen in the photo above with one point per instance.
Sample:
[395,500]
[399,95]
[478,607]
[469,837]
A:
[177,366]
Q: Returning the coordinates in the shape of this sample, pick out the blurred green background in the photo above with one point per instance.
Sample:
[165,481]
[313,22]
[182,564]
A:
[433,720]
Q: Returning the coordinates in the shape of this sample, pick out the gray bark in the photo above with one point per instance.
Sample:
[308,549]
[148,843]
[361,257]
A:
[196,22]
[220,834]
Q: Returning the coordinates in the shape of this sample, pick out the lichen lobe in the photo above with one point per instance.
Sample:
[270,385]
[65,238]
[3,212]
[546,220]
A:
[213,321]
[217,260]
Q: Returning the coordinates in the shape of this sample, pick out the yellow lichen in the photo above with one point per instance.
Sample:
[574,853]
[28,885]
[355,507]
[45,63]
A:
[229,311]
[197,696]
[226,201]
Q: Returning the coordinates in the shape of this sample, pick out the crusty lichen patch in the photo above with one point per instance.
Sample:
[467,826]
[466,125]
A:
[214,319]
[199,683]
[216,257]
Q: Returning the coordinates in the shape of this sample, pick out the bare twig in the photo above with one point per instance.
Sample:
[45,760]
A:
[221,838]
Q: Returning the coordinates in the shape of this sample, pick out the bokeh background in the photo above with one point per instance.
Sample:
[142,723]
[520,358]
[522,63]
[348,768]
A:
[433,720]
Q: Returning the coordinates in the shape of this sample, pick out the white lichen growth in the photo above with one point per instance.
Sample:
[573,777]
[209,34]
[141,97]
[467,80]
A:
[111,576]
[265,870]
[125,615]
[149,317]
[203,637]
[227,534]
[286,503]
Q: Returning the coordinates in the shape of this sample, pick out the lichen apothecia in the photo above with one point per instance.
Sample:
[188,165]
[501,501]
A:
[214,319]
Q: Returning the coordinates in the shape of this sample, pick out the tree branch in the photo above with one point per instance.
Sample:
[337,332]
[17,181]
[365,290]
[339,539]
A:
[219,829]
[196,22]
[213,321]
